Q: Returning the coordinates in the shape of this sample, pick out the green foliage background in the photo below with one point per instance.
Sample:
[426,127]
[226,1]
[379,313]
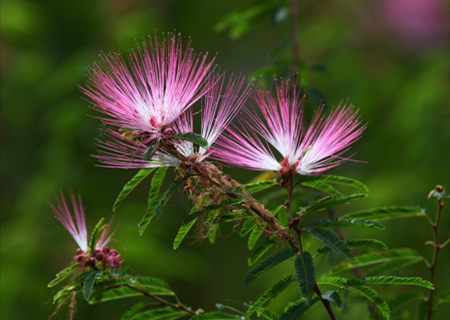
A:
[47,139]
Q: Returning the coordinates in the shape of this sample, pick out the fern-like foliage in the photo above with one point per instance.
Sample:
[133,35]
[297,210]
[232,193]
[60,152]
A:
[386,213]
[304,267]
[362,291]
[268,297]
[296,309]
[390,280]
[357,243]
[332,241]
[269,263]
[361,223]
[334,180]
[329,201]
[394,256]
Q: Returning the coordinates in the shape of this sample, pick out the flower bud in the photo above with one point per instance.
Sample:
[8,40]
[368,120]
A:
[79,251]
[105,250]
[99,256]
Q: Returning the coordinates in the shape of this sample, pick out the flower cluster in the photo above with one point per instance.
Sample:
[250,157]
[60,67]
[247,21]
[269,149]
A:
[149,111]
[102,253]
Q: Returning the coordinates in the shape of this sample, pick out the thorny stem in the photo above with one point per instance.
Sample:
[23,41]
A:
[437,247]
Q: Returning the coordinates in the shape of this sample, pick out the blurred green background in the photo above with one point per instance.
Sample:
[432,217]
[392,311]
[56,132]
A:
[389,60]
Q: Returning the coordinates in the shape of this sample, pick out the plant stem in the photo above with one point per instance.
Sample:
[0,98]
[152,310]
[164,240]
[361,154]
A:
[325,302]
[432,267]
[161,301]
[297,231]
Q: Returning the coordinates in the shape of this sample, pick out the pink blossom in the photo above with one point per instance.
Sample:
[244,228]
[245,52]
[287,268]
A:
[315,151]
[219,106]
[78,229]
[146,97]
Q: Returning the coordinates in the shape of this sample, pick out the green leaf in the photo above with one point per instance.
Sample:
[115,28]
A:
[192,137]
[333,297]
[357,243]
[141,175]
[232,305]
[323,187]
[63,293]
[168,194]
[332,241]
[363,291]
[213,233]
[63,274]
[268,263]
[167,313]
[98,229]
[113,294]
[89,284]
[404,298]
[248,226]
[209,208]
[253,238]
[393,255]
[151,285]
[329,201]
[268,297]
[269,315]
[215,316]
[333,179]
[155,286]
[129,315]
[386,213]
[304,267]
[296,309]
[444,297]
[260,251]
[182,232]
[259,185]
[153,198]
[390,280]
[347,223]
[391,265]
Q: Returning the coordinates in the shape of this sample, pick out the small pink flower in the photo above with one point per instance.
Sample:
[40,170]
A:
[78,229]
[315,151]
[143,100]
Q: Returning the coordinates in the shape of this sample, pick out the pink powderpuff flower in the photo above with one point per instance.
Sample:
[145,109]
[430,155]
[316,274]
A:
[315,151]
[79,233]
[219,106]
[144,99]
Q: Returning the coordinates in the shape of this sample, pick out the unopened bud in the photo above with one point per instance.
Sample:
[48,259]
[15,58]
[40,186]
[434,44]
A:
[79,251]
[99,256]
[105,250]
